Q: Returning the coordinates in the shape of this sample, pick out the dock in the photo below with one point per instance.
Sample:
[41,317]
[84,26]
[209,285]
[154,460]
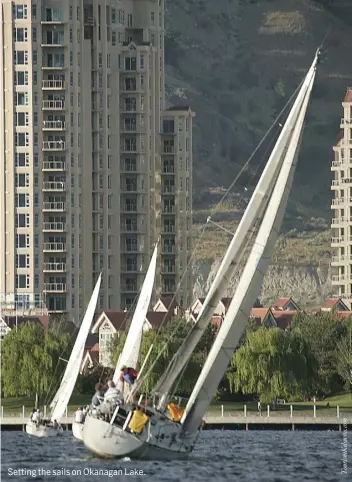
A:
[235,421]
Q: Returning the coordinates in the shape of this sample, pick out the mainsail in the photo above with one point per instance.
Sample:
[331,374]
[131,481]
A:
[130,353]
[251,280]
[235,251]
[63,395]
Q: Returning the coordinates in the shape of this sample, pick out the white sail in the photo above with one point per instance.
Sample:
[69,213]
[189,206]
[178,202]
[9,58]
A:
[130,353]
[69,379]
[235,251]
[249,286]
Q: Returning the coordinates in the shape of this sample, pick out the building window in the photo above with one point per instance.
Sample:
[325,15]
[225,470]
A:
[22,241]
[22,220]
[22,180]
[21,78]
[20,57]
[22,200]
[21,98]
[22,139]
[22,281]
[22,261]
[22,119]
[22,159]
[20,12]
[129,20]
[20,34]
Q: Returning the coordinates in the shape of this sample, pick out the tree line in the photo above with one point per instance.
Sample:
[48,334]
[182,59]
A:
[313,358]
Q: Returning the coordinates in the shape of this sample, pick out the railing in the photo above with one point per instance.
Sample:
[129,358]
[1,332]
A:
[168,209]
[54,267]
[169,190]
[54,226]
[54,125]
[54,166]
[341,278]
[54,186]
[54,247]
[336,240]
[53,84]
[53,104]
[169,170]
[55,287]
[168,150]
[341,259]
[54,145]
[341,220]
[54,206]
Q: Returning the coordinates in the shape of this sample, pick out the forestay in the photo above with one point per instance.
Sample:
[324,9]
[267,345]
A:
[130,353]
[69,379]
[234,254]
[251,280]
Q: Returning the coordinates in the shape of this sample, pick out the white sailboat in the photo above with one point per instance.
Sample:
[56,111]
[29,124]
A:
[63,394]
[130,354]
[162,438]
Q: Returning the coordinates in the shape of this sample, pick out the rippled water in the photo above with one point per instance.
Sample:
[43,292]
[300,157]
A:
[264,456]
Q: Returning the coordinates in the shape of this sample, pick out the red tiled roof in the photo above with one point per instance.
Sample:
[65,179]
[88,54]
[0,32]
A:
[348,96]
[259,314]
[284,318]
[158,318]
[12,320]
[331,302]
[281,302]
[95,348]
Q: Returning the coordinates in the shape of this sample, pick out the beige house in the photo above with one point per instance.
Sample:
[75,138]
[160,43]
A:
[94,166]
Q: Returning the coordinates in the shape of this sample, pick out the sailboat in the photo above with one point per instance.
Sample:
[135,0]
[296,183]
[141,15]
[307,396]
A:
[162,438]
[130,353]
[63,394]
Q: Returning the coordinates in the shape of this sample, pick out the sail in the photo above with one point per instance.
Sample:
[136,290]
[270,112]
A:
[69,379]
[235,251]
[130,353]
[248,288]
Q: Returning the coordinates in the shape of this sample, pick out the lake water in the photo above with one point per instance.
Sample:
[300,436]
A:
[253,456]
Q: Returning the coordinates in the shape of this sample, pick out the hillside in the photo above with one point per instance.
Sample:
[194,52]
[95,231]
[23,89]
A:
[237,62]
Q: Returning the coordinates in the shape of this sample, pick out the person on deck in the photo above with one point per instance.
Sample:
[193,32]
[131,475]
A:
[112,394]
[36,417]
[138,420]
[176,412]
[79,415]
[128,375]
[98,397]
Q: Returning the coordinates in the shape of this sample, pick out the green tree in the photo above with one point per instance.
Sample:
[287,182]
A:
[273,362]
[323,332]
[344,357]
[30,360]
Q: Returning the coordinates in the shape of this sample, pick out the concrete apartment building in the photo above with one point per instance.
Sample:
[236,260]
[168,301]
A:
[341,241]
[93,168]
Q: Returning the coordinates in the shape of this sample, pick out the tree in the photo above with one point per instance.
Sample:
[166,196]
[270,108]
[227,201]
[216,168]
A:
[323,331]
[165,343]
[30,360]
[273,363]
[344,357]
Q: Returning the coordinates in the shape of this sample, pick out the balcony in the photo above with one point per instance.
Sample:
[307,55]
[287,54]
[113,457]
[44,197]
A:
[337,260]
[55,66]
[54,247]
[342,220]
[54,146]
[168,170]
[168,269]
[54,206]
[168,190]
[54,267]
[168,210]
[169,289]
[129,289]
[337,240]
[54,227]
[54,125]
[53,84]
[59,42]
[336,164]
[341,278]
[168,229]
[54,166]
[53,105]
[168,149]
[53,186]
[344,122]
[167,249]
[55,287]
[339,200]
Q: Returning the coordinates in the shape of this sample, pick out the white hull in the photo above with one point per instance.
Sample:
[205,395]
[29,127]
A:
[42,430]
[77,430]
[110,441]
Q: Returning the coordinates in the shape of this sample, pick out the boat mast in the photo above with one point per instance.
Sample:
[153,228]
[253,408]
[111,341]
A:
[250,283]
[235,251]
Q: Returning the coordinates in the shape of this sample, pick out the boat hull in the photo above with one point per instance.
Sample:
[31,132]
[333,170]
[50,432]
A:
[77,430]
[110,441]
[42,430]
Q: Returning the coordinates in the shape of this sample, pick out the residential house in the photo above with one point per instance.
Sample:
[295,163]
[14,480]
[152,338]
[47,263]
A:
[335,304]
[91,353]
[111,323]
[263,317]
[167,304]
[285,304]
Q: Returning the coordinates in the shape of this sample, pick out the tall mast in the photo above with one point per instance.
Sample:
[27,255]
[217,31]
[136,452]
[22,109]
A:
[250,283]
[235,251]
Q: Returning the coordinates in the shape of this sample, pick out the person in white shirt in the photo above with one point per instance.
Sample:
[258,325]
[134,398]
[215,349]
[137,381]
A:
[36,417]
[79,415]
[112,394]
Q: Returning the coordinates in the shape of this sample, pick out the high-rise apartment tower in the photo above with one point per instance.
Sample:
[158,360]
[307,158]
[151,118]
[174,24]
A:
[93,166]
